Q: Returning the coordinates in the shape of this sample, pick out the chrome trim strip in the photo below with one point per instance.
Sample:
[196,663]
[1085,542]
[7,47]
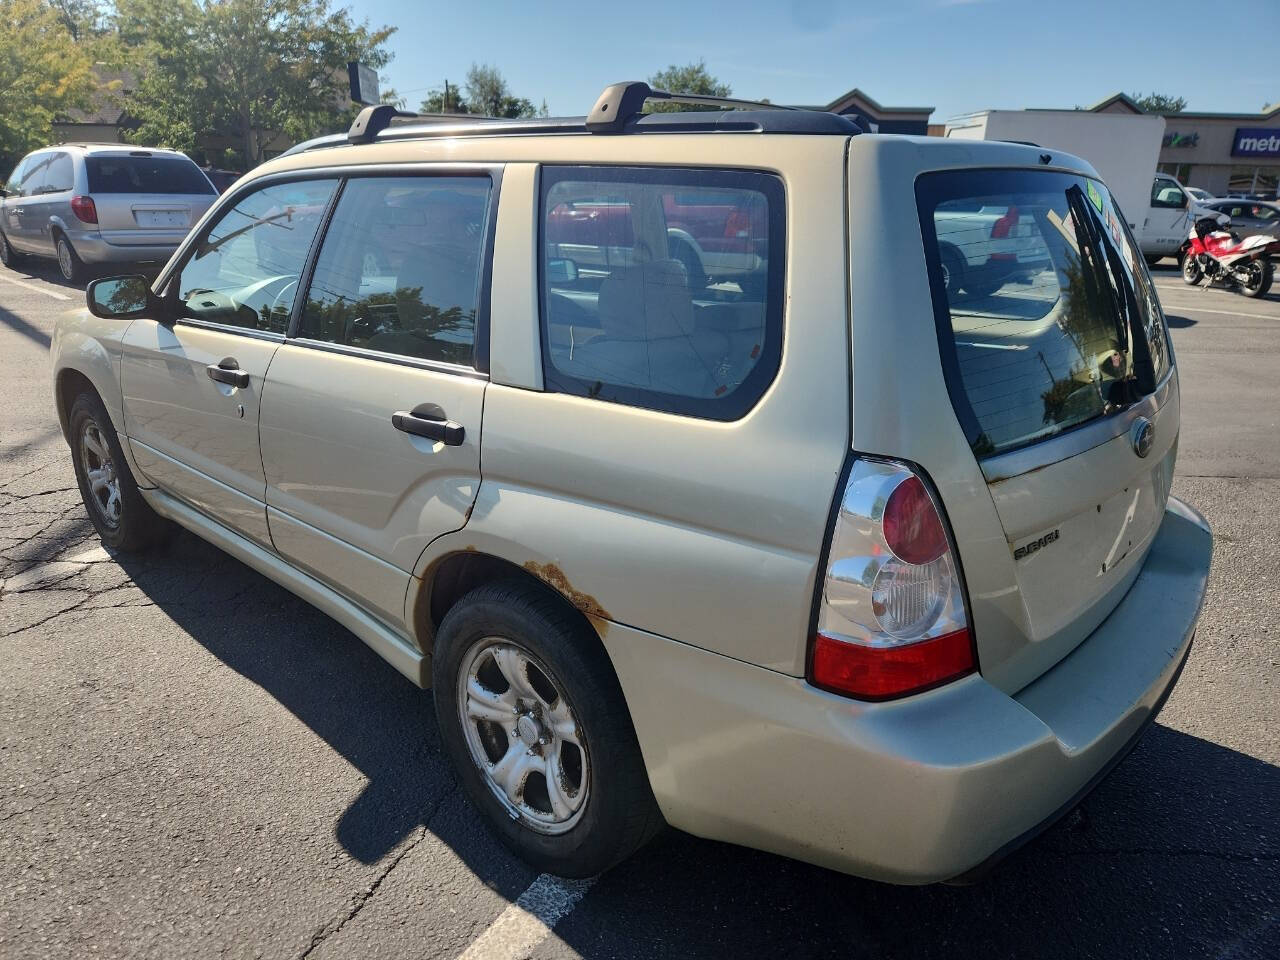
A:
[1072,443]
[231,328]
[362,353]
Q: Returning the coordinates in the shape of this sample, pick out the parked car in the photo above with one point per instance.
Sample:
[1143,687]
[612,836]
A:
[1250,217]
[815,555]
[100,203]
[1199,195]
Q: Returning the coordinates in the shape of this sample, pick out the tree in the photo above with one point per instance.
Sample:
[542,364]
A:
[487,94]
[43,73]
[1159,102]
[691,78]
[446,100]
[249,70]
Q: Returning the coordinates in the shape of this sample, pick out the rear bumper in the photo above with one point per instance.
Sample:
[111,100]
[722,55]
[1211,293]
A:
[922,789]
[92,248]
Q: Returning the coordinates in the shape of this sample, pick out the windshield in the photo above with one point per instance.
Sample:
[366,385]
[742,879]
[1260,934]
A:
[1047,316]
[175,175]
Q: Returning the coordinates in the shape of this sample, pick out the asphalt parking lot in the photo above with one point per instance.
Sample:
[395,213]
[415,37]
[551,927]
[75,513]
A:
[195,763]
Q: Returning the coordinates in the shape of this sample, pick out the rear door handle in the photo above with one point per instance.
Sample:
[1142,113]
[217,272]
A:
[446,431]
[229,372]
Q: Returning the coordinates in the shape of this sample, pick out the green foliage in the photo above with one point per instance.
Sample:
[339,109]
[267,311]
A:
[43,73]
[1159,102]
[487,94]
[691,78]
[244,71]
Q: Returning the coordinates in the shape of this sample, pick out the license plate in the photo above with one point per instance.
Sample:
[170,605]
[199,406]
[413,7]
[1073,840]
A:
[161,218]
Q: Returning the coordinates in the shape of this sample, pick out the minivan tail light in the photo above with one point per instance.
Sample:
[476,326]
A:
[1001,229]
[84,209]
[891,613]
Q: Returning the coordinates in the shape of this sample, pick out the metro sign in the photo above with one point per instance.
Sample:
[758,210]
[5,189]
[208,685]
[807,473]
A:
[1256,142]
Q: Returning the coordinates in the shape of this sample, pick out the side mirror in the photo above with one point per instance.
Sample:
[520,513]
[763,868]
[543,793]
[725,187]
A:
[561,271]
[120,298]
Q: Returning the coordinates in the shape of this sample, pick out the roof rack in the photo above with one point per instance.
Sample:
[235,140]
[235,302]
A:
[621,102]
[619,109]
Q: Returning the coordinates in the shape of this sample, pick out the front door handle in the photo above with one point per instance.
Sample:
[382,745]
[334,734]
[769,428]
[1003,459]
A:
[446,431]
[229,372]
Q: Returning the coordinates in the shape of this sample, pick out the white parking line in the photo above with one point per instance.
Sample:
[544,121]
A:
[32,286]
[1175,307]
[525,923]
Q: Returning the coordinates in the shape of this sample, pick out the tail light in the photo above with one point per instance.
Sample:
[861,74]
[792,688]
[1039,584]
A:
[891,615]
[1002,229]
[84,209]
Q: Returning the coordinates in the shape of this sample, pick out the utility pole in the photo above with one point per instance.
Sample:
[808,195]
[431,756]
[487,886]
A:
[446,95]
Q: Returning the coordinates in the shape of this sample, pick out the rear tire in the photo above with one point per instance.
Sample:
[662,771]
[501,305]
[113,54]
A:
[69,263]
[1191,272]
[953,270]
[1260,280]
[116,509]
[8,256]
[563,715]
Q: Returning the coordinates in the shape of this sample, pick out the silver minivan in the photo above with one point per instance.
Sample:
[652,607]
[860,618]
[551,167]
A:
[660,447]
[100,203]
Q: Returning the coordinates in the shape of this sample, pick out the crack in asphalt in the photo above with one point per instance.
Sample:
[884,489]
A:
[358,902]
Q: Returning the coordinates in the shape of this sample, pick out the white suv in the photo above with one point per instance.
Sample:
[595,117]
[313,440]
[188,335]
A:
[658,447]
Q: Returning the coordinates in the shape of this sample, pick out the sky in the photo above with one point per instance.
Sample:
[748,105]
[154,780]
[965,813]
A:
[954,55]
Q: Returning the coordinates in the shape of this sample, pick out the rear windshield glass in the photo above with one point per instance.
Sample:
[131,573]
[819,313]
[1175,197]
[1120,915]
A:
[146,175]
[1047,317]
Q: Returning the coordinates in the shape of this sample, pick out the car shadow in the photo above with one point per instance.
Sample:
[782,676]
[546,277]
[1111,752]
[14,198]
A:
[1172,855]
[46,269]
[1177,322]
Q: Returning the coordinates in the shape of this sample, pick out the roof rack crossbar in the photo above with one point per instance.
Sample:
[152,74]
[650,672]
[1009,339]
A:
[621,102]
[371,121]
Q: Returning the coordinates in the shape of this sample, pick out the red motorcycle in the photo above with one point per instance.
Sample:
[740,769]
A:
[1214,253]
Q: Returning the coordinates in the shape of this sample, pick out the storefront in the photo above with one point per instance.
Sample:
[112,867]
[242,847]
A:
[1223,153]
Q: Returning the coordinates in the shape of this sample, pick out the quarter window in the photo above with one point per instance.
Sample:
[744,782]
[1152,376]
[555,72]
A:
[662,288]
[60,176]
[400,267]
[245,270]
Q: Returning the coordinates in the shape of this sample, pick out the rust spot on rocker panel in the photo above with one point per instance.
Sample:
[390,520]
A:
[554,577]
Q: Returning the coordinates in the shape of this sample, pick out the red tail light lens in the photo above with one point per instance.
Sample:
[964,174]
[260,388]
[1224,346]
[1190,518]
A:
[1004,226]
[872,674]
[84,209]
[891,616]
[912,527]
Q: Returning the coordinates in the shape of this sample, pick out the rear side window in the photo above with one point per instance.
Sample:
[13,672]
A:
[146,175]
[399,270]
[662,288]
[1047,318]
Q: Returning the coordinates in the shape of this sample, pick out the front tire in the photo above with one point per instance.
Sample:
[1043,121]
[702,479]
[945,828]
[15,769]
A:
[1191,272]
[116,509]
[69,263]
[1259,281]
[535,723]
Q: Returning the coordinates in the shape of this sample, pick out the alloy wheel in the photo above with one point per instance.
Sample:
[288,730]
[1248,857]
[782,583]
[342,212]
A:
[100,474]
[523,735]
[64,259]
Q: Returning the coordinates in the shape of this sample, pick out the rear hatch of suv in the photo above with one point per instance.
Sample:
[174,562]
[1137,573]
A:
[1061,379]
[1056,367]
[146,198]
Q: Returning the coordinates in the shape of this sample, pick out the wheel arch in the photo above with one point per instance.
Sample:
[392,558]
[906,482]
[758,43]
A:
[454,573]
